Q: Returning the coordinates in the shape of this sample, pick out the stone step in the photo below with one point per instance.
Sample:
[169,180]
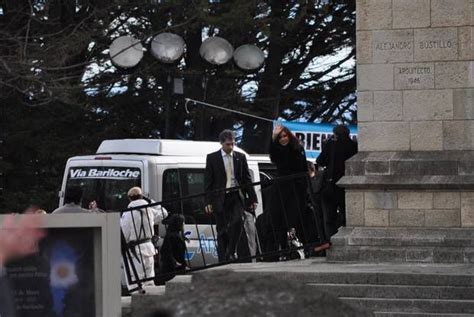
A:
[153,290]
[151,295]
[322,271]
[404,237]
[400,314]
[412,305]
[396,245]
[396,291]
[394,254]
[178,284]
[376,278]
[126,302]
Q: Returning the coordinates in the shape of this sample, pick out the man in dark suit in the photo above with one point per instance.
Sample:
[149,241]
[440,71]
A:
[226,169]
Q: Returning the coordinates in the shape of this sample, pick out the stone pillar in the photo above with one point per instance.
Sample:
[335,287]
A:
[410,190]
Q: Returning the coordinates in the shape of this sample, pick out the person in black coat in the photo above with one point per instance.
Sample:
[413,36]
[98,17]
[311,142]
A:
[173,250]
[334,154]
[287,153]
[227,168]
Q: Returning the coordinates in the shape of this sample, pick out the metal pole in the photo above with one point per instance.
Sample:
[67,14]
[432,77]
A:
[167,107]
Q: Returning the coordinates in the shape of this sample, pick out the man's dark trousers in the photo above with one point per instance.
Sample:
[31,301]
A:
[333,198]
[230,233]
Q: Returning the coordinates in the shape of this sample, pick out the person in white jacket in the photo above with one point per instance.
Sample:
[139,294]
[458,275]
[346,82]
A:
[137,227]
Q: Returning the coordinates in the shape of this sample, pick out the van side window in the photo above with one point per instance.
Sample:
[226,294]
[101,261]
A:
[185,182]
[192,182]
[171,190]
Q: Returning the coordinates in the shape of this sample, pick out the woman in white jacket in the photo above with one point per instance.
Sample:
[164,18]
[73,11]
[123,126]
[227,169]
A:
[137,227]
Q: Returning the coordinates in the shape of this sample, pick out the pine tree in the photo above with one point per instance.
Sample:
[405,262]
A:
[61,95]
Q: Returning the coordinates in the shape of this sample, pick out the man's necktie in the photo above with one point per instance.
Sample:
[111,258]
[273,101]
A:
[228,171]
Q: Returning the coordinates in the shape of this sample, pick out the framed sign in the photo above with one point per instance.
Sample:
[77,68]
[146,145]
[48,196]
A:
[76,271]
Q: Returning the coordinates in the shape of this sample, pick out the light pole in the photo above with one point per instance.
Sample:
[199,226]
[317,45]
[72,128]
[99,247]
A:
[168,48]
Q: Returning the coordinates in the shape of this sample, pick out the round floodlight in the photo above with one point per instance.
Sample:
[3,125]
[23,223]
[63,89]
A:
[249,57]
[216,50]
[167,47]
[126,51]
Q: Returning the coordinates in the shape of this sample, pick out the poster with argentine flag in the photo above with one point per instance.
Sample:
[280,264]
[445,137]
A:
[313,135]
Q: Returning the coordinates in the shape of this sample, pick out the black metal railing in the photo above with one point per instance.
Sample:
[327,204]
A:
[290,226]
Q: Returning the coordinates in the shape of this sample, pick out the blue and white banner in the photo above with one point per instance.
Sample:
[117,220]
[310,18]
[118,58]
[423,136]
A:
[313,135]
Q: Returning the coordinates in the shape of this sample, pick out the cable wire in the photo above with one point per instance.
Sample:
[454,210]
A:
[223,108]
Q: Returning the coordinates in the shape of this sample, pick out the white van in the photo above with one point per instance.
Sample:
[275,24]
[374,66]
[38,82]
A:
[164,169]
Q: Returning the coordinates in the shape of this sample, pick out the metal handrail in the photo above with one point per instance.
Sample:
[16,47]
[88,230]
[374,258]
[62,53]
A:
[277,234]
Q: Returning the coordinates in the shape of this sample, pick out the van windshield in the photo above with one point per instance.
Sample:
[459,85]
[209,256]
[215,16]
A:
[108,186]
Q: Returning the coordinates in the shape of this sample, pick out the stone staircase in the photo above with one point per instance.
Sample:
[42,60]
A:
[403,245]
[403,289]
[405,300]
[409,290]
[385,289]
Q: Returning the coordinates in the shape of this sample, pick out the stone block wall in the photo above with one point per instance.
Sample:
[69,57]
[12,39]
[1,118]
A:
[415,75]
[410,189]
[440,209]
